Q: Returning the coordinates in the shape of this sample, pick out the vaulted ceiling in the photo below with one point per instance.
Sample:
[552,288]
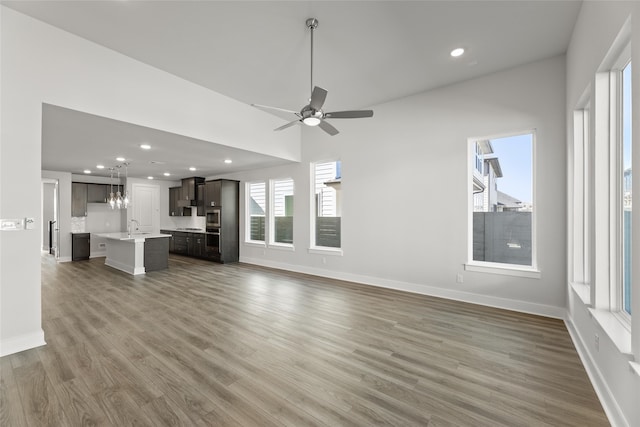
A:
[366,52]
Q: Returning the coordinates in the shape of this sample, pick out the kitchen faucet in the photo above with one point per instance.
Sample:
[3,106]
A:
[129,226]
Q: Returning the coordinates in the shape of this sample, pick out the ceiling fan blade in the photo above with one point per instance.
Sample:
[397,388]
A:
[317,98]
[267,107]
[356,114]
[328,128]
[286,125]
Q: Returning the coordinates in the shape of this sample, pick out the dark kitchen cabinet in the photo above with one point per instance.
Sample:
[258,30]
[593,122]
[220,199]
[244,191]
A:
[80,246]
[78,199]
[171,240]
[98,193]
[200,199]
[212,193]
[181,243]
[174,197]
[197,245]
[229,220]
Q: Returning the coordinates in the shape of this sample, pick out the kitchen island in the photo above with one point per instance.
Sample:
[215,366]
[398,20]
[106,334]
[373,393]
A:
[137,253]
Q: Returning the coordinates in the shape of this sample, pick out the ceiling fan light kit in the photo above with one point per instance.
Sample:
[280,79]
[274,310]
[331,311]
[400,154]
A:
[312,114]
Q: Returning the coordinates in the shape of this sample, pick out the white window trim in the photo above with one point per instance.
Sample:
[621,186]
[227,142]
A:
[271,225]
[322,250]
[493,267]
[247,223]
[606,295]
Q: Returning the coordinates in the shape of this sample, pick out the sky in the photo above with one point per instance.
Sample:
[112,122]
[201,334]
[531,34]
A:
[515,156]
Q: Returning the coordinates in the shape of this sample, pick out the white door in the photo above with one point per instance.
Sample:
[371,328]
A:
[146,207]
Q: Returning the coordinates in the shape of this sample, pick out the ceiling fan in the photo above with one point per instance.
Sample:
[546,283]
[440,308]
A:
[312,114]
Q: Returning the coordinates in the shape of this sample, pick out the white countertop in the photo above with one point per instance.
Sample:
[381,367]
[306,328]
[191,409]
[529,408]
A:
[134,237]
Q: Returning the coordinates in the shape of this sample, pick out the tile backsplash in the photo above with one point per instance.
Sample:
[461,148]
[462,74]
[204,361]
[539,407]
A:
[78,224]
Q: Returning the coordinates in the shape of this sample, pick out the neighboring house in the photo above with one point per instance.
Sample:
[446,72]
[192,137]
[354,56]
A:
[486,172]
[507,203]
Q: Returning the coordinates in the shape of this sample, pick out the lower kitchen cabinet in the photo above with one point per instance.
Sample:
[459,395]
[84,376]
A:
[80,246]
[190,244]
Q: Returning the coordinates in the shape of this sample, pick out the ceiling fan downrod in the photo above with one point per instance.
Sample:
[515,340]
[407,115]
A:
[312,24]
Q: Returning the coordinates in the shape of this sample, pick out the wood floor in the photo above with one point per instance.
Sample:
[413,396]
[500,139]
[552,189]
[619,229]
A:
[236,345]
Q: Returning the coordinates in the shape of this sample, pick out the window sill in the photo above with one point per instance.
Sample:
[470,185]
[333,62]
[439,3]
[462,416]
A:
[255,244]
[614,329]
[507,270]
[325,251]
[583,291]
[282,247]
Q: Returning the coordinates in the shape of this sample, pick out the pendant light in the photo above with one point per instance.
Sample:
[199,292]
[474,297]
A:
[125,199]
[112,197]
[119,198]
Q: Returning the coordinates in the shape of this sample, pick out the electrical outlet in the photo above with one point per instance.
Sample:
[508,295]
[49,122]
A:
[102,245]
[459,278]
[597,342]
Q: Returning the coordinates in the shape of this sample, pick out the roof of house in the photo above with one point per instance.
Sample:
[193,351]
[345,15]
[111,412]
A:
[507,200]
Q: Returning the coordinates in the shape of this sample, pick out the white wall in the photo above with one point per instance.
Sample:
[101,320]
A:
[618,387]
[405,190]
[42,64]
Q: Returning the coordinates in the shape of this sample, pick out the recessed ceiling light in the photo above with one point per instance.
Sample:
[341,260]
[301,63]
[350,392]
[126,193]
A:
[145,146]
[87,171]
[167,174]
[227,161]
[100,166]
[457,52]
[149,177]
[120,159]
[192,168]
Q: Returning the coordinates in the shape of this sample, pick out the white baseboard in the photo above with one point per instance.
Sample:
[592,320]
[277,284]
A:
[64,259]
[608,402]
[22,343]
[504,303]
[98,254]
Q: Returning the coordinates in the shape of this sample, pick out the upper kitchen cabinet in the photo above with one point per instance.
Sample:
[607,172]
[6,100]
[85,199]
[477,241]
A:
[200,199]
[212,193]
[78,199]
[97,193]
[174,197]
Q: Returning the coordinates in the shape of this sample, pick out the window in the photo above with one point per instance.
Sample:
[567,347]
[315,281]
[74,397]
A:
[281,211]
[327,209]
[256,206]
[624,176]
[502,226]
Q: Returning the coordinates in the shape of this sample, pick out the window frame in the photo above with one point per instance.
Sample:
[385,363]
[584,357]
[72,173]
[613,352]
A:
[518,270]
[616,290]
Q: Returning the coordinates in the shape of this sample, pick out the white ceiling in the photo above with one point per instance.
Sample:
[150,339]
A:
[366,52]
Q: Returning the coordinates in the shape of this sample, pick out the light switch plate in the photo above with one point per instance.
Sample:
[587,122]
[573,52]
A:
[29,223]
[16,224]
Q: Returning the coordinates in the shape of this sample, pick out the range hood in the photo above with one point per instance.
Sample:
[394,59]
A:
[183,203]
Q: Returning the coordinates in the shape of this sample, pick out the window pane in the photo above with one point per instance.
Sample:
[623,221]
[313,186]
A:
[503,200]
[626,188]
[283,211]
[328,179]
[257,208]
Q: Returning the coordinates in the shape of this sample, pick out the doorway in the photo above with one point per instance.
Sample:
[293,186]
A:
[50,212]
